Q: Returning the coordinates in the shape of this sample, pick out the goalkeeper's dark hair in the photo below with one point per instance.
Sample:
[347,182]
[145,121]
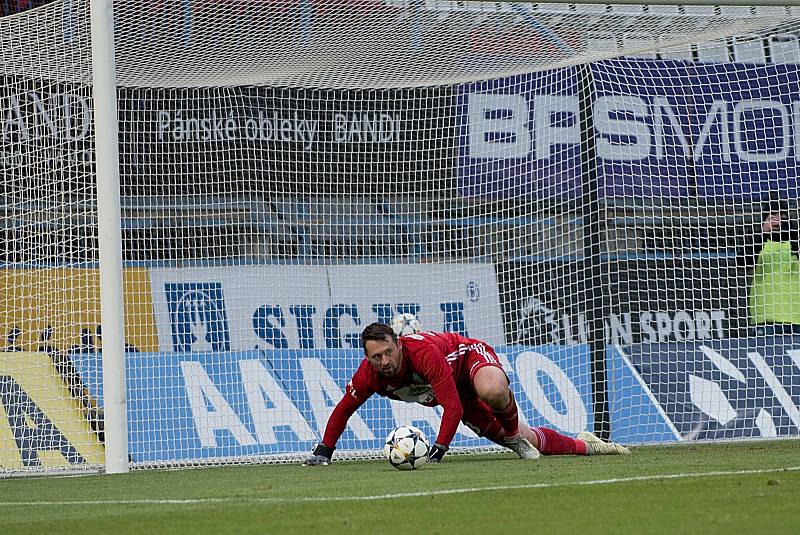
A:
[378,332]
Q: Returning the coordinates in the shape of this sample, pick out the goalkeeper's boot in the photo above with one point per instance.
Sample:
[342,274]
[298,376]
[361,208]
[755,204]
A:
[595,446]
[522,447]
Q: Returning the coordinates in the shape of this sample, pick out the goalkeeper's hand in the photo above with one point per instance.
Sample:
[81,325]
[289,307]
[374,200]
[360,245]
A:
[436,453]
[321,456]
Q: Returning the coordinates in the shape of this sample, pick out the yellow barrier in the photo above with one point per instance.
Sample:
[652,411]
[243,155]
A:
[41,424]
[59,308]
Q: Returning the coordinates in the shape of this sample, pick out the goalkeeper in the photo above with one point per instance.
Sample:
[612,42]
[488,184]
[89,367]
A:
[465,377]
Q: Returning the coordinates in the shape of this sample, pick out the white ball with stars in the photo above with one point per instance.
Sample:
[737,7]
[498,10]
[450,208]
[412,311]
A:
[406,448]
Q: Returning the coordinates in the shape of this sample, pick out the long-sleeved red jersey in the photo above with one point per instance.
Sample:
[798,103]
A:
[429,373]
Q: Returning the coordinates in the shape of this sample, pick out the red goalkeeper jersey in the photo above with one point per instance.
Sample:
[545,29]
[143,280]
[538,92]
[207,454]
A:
[432,365]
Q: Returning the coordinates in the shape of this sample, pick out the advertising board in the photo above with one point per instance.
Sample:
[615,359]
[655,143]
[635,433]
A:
[222,404]
[307,307]
[661,129]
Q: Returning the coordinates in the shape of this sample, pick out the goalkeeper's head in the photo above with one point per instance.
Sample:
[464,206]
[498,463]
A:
[382,348]
[377,332]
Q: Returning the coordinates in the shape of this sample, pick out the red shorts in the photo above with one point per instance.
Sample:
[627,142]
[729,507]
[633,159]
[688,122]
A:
[478,415]
[475,357]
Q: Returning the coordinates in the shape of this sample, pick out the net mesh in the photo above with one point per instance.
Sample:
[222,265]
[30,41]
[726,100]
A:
[587,188]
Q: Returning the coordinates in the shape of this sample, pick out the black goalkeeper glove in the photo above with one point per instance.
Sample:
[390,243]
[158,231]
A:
[436,453]
[321,456]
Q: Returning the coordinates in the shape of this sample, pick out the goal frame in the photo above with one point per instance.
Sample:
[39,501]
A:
[109,222]
[109,235]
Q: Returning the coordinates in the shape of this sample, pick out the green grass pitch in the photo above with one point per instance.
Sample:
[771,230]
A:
[701,488]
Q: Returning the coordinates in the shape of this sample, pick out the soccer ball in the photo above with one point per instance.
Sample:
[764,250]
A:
[406,323]
[406,448]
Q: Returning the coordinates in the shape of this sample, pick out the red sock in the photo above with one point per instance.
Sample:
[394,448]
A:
[554,443]
[509,417]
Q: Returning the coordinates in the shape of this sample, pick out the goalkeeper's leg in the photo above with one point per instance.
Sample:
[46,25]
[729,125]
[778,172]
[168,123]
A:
[479,417]
[547,441]
[490,384]
[551,442]
[495,414]
[595,446]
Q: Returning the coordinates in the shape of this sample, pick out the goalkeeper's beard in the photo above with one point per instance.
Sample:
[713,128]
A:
[392,369]
[389,371]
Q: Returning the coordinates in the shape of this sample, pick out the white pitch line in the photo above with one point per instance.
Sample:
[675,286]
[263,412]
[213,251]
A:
[443,492]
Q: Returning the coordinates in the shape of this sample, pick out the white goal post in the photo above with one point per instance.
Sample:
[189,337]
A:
[205,202]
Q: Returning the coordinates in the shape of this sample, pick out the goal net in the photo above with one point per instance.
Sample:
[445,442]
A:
[605,194]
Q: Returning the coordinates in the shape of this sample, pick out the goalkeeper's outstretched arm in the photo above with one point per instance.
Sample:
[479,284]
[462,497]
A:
[322,455]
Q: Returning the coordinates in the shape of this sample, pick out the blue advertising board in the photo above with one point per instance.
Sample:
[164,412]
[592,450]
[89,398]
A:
[760,149]
[209,405]
[734,388]
[662,128]
[520,136]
